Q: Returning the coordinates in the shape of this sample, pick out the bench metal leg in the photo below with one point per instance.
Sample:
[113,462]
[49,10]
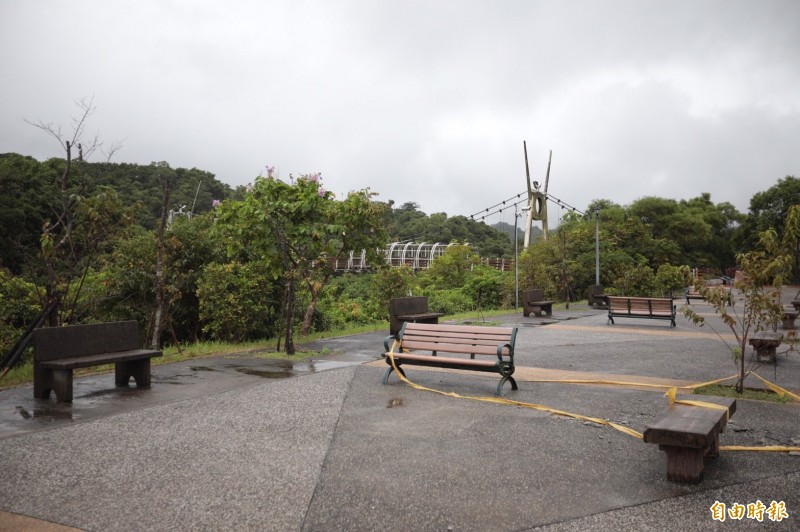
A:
[138,369]
[389,372]
[505,378]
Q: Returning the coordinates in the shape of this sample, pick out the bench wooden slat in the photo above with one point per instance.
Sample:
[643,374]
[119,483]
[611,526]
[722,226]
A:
[438,361]
[450,338]
[445,328]
[452,348]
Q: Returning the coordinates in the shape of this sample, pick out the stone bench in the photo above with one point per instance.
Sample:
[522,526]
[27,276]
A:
[534,301]
[412,309]
[788,316]
[688,434]
[765,344]
[59,350]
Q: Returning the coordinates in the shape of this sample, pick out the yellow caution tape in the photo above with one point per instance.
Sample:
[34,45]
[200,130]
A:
[765,448]
[672,393]
[501,400]
[777,389]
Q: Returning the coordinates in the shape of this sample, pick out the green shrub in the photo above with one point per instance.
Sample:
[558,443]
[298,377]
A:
[485,286]
[449,301]
[19,307]
[238,301]
[638,280]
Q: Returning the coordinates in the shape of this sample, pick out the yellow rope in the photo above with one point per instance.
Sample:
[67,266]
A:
[501,400]
[600,421]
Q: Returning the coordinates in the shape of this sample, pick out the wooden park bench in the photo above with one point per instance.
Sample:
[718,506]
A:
[534,301]
[419,344]
[410,309]
[691,293]
[765,344]
[688,434]
[59,350]
[654,308]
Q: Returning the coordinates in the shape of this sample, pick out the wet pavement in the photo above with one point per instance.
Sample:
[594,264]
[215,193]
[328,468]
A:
[245,443]
[95,396]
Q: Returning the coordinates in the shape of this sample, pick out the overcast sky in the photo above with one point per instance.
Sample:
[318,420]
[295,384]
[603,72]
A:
[425,101]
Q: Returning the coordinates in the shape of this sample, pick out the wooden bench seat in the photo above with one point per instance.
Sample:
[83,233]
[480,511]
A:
[534,301]
[641,307]
[419,344]
[60,350]
[688,434]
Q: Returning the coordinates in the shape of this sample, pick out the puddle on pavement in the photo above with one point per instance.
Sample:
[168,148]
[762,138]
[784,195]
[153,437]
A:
[202,368]
[281,369]
[54,412]
[266,373]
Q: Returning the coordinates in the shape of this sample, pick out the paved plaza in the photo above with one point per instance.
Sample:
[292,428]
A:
[243,443]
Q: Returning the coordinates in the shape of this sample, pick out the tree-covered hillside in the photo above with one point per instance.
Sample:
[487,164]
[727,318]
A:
[31,191]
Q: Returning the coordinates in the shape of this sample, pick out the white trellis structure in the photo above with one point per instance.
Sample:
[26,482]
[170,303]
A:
[417,256]
[414,255]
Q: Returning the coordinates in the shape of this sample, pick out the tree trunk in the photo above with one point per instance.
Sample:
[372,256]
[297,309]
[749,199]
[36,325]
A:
[290,288]
[309,316]
[158,311]
[316,291]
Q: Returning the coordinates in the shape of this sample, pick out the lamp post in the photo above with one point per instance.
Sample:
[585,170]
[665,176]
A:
[597,247]
[516,256]
[516,261]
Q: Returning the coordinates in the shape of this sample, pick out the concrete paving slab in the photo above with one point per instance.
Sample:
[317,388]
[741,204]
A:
[242,459]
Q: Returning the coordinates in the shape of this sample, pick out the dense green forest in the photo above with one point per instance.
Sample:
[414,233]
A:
[89,240]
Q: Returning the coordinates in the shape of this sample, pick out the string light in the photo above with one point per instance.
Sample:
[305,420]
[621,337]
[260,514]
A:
[489,211]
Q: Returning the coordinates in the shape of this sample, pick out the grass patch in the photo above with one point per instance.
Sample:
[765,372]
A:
[722,390]
[20,374]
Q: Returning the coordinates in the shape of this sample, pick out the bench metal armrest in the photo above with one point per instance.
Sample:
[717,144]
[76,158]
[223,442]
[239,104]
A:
[500,348]
[388,341]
